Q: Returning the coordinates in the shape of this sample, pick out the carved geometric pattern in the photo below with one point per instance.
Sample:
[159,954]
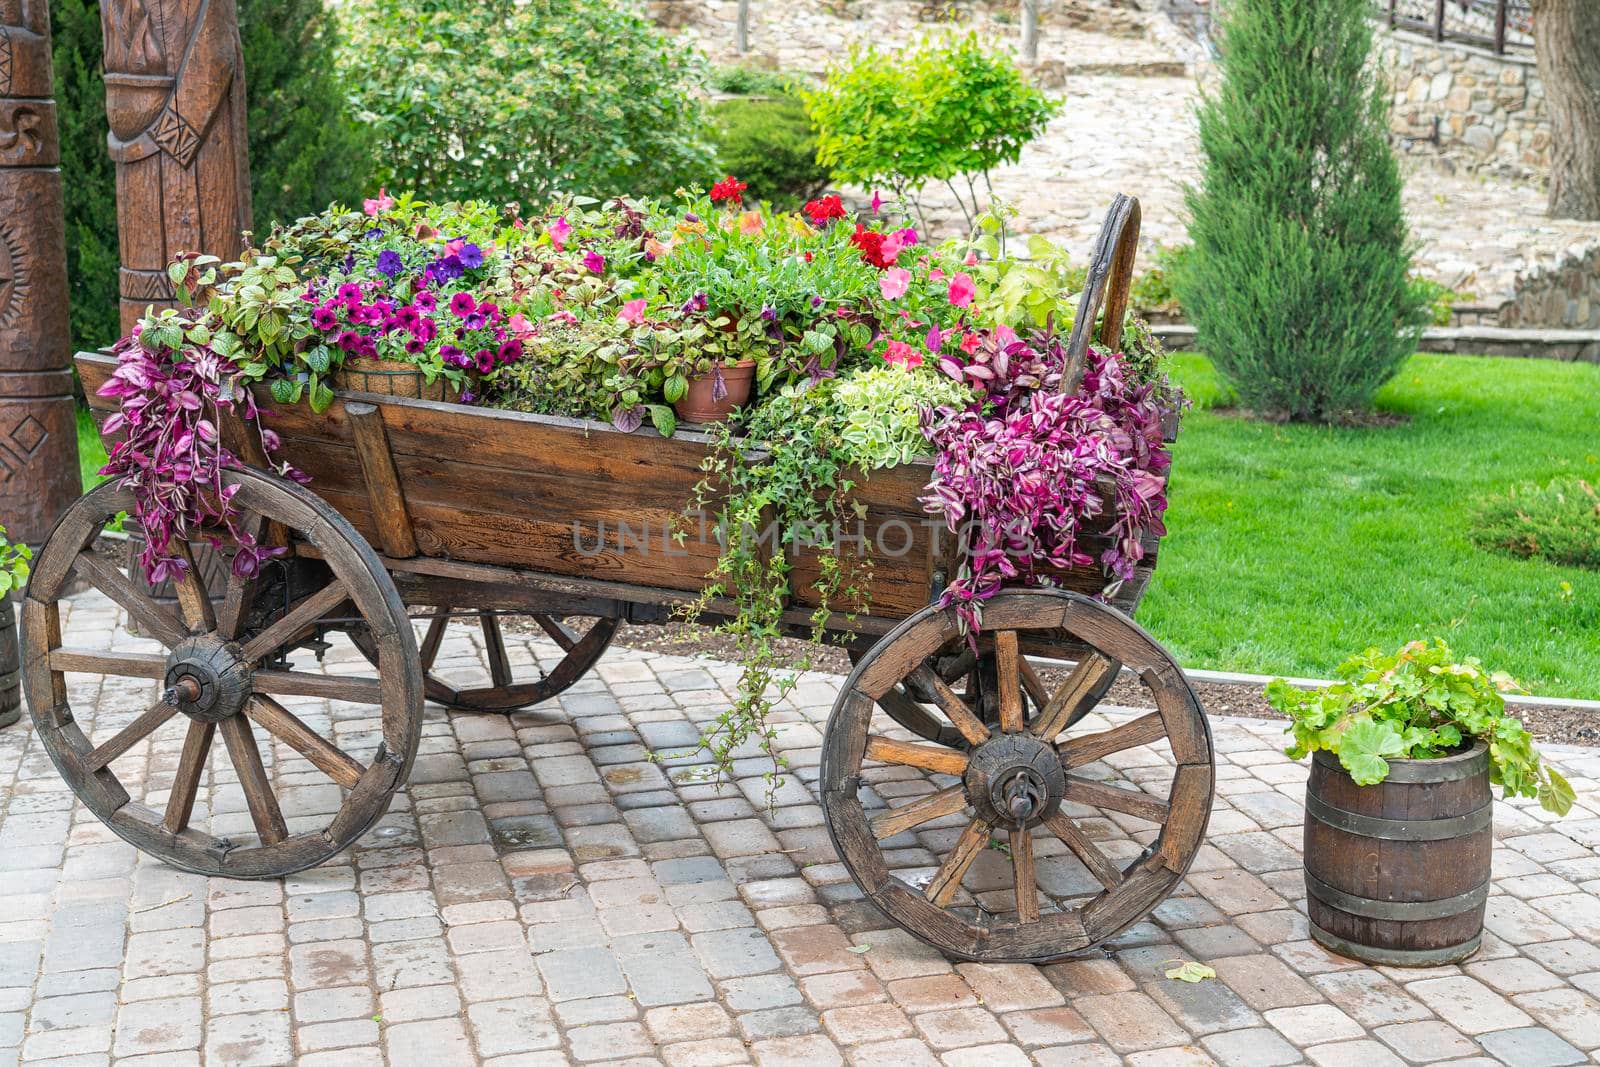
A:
[146,284]
[13,277]
[175,135]
[18,447]
[5,63]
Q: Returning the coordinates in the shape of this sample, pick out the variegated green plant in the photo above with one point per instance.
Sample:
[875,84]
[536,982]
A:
[1418,703]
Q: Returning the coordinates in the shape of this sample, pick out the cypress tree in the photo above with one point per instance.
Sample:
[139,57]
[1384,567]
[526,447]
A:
[1298,283]
[305,150]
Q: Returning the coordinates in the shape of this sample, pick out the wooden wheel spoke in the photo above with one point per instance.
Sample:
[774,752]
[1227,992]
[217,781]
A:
[954,708]
[104,576]
[1076,694]
[288,627]
[947,879]
[186,779]
[1033,685]
[283,724]
[193,601]
[116,664]
[1127,801]
[1099,864]
[258,795]
[1027,883]
[358,690]
[906,710]
[1145,730]
[130,735]
[240,590]
[924,809]
[557,630]
[941,760]
[434,637]
[1010,677]
[494,643]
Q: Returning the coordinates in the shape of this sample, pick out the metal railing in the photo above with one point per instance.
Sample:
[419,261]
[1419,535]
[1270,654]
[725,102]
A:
[1502,25]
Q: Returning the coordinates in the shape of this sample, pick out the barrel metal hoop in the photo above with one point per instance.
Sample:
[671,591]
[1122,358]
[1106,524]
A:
[1398,957]
[1469,764]
[1400,910]
[1398,829]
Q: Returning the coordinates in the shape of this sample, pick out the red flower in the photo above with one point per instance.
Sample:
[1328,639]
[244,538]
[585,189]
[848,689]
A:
[871,245]
[729,189]
[820,211]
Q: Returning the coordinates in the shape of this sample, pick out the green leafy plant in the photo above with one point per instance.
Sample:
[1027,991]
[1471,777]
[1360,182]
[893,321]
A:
[749,81]
[1439,298]
[1298,280]
[507,100]
[1559,522]
[946,111]
[13,564]
[1417,703]
[770,144]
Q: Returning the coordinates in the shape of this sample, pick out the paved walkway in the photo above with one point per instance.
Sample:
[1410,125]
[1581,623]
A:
[542,894]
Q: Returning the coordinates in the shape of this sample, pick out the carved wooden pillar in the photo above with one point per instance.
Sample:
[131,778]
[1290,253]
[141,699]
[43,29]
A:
[175,98]
[38,425]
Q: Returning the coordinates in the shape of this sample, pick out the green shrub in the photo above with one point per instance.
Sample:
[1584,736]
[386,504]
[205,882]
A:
[1439,298]
[506,100]
[1298,279]
[770,145]
[947,111]
[749,81]
[1559,522]
[304,148]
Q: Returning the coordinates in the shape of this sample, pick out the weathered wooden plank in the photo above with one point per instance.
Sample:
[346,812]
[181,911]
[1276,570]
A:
[383,480]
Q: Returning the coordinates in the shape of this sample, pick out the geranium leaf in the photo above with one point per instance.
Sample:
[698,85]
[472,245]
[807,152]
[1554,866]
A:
[1363,745]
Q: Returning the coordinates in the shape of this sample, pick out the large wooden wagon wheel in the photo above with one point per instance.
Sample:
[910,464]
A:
[1018,787]
[511,687]
[224,669]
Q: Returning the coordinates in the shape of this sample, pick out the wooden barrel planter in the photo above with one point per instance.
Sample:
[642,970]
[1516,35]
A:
[1398,872]
[10,665]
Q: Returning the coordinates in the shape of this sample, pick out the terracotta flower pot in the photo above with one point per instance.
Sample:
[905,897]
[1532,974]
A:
[699,405]
[391,377]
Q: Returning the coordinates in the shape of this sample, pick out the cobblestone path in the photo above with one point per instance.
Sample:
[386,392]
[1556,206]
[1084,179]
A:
[543,893]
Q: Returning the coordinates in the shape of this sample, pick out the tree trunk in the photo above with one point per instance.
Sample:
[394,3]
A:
[1567,33]
[1030,31]
[741,38]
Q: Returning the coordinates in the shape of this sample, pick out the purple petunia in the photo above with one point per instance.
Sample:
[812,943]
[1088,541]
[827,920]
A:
[470,256]
[390,263]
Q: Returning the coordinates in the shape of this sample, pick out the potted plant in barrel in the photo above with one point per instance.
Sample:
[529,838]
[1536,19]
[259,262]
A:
[1398,806]
[13,573]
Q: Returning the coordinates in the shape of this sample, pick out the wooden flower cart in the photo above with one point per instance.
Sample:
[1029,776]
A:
[419,508]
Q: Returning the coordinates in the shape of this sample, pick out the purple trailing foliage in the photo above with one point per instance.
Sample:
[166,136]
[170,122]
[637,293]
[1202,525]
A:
[172,457]
[1020,473]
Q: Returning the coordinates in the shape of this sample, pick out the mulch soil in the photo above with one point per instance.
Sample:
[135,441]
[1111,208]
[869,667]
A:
[1568,726]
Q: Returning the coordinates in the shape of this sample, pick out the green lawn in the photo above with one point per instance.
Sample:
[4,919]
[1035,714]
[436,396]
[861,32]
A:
[1290,546]
[91,453]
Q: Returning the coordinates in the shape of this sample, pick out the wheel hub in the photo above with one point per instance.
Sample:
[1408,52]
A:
[1015,780]
[206,678]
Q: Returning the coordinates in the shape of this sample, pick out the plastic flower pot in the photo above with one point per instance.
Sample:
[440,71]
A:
[10,665]
[1397,873]
[391,377]
[700,403]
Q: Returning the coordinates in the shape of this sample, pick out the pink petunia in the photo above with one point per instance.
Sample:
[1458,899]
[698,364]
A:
[877,202]
[894,282]
[633,311]
[902,355]
[889,250]
[594,262]
[970,343]
[962,290]
[378,204]
[559,231]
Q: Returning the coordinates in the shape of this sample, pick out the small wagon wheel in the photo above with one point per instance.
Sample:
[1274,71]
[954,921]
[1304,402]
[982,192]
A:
[1016,773]
[222,669]
[511,688]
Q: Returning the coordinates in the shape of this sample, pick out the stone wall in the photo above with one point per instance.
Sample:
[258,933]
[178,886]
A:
[1466,105]
[1563,294]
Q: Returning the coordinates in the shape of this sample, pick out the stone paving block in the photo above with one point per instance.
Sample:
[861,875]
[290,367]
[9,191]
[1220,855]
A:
[735,953]
[1081,1055]
[257,1039]
[519,1024]
[1532,1046]
[580,973]
[1264,982]
[661,969]
[1130,1022]
[1570,1013]
[1203,1007]
[843,989]
[987,1056]
[1314,1024]
[435,1043]
[419,1002]
[866,1023]
[903,1053]
[1468,1005]
[1370,998]
[1047,1026]
[1363,1053]
[1426,1042]
[1007,987]
[1250,1048]
[809,1051]
[778,1022]
[1176,1056]
[340,1034]
[595,1010]
[158,1026]
[688,1022]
